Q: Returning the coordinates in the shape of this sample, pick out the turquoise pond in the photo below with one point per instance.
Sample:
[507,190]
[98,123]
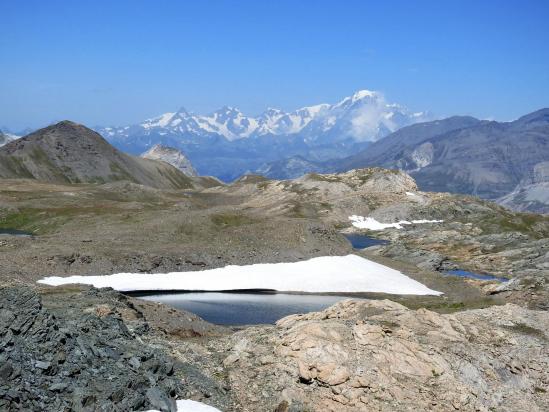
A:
[363,241]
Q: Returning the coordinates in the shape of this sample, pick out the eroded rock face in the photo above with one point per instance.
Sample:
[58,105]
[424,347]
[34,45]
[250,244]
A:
[379,355]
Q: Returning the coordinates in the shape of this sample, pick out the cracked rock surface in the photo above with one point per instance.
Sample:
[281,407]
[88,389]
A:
[379,355]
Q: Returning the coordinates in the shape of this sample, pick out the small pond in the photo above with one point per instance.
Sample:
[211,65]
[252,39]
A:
[472,275]
[14,232]
[359,241]
[244,308]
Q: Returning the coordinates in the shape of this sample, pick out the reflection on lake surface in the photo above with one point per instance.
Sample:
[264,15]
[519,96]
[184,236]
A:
[363,241]
[472,275]
[244,308]
[14,232]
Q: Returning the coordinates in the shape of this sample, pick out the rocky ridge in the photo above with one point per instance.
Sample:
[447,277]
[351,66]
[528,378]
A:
[532,192]
[502,161]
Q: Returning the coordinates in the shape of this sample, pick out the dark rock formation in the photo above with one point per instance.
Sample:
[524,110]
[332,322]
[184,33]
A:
[86,362]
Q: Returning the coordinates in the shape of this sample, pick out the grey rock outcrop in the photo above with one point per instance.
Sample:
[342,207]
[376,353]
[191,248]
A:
[85,351]
[172,156]
[94,363]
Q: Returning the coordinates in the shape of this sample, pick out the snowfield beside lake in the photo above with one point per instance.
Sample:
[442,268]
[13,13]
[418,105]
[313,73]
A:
[370,223]
[349,273]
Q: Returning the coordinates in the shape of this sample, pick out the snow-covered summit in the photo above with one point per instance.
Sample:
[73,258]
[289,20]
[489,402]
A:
[363,96]
[7,137]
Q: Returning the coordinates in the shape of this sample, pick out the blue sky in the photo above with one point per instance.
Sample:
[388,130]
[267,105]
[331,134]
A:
[118,62]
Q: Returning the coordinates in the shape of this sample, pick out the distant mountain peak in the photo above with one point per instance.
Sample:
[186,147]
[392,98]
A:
[67,123]
[541,115]
[67,126]
[272,110]
[6,136]
[363,97]
[362,94]
[228,109]
[227,112]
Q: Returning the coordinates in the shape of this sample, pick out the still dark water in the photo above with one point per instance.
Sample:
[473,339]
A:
[244,308]
[14,232]
[472,275]
[363,241]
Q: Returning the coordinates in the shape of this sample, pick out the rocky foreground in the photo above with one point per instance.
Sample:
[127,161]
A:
[96,350]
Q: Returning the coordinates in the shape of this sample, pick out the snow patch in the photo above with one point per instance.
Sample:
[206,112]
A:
[187,405]
[349,273]
[370,223]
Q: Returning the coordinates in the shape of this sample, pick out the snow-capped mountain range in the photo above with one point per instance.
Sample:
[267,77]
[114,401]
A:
[364,116]
[227,143]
